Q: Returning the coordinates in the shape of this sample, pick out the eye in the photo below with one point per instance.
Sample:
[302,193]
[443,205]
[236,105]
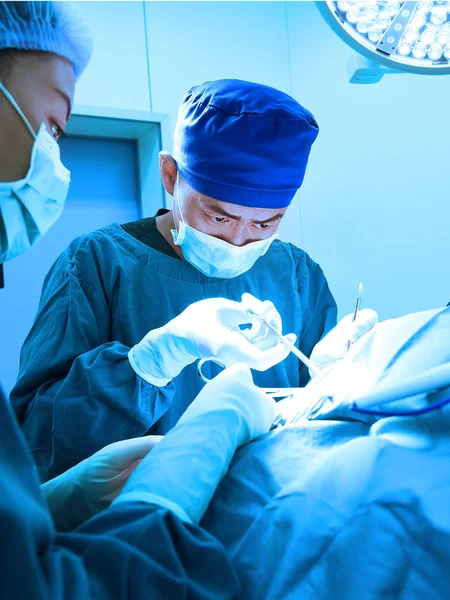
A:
[56,131]
[262,225]
[217,220]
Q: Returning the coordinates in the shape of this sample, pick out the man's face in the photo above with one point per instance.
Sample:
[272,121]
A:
[237,225]
[43,86]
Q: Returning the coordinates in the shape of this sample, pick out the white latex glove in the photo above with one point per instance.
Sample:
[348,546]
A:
[183,471]
[210,328]
[334,345]
[91,486]
[260,335]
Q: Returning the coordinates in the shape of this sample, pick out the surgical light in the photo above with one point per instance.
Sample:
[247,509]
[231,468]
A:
[405,36]
[435,51]
[444,35]
[404,48]
[419,50]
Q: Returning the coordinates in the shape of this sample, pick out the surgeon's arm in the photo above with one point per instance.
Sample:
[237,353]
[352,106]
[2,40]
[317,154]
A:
[319,309]
[131,550]
[76,390]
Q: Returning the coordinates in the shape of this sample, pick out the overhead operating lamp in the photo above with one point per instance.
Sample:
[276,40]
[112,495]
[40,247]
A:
[403,36]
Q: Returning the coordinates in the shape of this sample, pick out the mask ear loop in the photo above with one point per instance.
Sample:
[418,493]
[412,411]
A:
[177,191]
[14,104]
[178,232]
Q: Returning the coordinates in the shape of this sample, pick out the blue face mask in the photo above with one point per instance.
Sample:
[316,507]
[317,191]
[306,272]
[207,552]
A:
[214,257]
[30,206]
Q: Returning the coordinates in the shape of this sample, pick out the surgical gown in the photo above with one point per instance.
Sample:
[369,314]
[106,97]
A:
[132,550]
[76,390]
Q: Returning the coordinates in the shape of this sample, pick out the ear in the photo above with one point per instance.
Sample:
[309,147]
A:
[168,170]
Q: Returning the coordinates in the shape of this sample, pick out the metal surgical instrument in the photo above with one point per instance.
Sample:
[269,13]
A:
[302,357]
[355,314]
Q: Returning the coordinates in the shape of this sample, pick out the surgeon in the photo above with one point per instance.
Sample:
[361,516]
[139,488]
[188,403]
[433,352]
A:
[64,539]
[126,311]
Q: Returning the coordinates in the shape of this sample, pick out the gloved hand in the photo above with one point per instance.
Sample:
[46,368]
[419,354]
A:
[210,328]
[334,345]
[183,471]
[91,486]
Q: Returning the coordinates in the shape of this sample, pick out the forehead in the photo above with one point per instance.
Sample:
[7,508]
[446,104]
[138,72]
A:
[43,72]
[244,212]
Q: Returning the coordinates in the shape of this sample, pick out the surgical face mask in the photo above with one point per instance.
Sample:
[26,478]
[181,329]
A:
[214,257]
[30,206]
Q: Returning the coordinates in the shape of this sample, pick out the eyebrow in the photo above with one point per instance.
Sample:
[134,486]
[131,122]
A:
[224,213]
[276,217]
[66,99]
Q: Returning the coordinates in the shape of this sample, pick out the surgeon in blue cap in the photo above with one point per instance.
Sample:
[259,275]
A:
[127,311]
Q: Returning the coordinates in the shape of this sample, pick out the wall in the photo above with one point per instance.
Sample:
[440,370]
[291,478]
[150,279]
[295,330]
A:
[375,203]
[117,75]
[192,42]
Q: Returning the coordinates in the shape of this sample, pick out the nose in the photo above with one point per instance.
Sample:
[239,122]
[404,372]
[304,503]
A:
[239,237]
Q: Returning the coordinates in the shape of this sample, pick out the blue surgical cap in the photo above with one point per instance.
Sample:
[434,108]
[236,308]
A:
[243,143]
[56,27]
